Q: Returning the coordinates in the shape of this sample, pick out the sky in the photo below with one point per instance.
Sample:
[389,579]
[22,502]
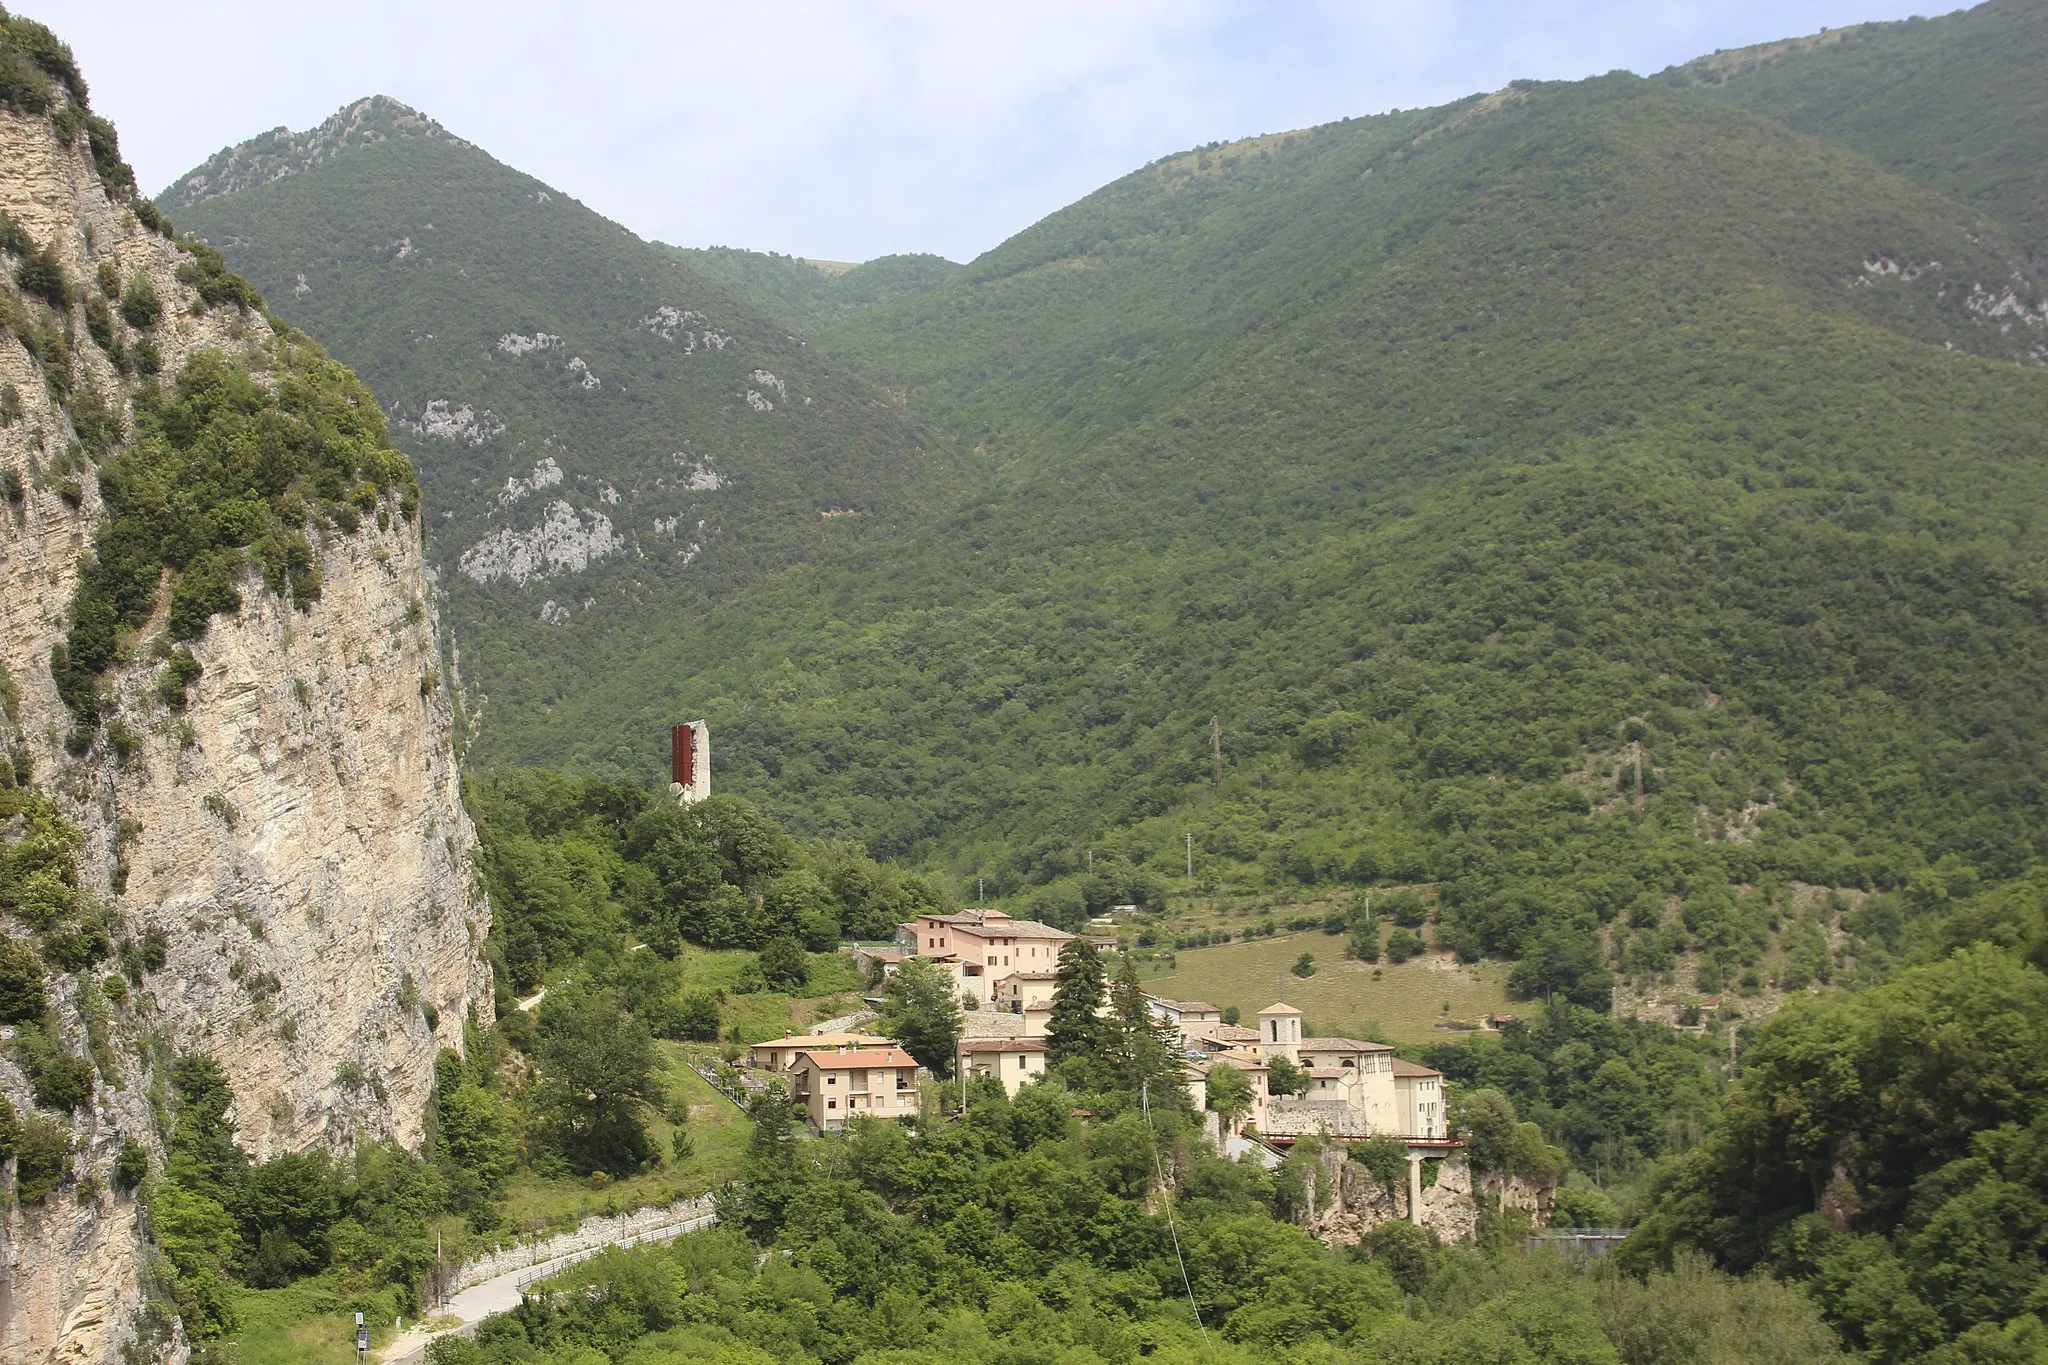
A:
[845,131]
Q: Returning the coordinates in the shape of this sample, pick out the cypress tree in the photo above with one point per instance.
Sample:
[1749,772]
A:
[1079,984]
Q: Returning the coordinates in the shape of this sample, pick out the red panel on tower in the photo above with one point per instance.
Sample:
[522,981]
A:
[682,748]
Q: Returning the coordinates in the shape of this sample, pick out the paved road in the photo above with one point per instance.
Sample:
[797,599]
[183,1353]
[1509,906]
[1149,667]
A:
[471,1306]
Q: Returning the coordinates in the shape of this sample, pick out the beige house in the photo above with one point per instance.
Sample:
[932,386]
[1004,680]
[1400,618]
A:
[1183,1016]
[1419,1101]
[980,947]
[1019,991]
[777,1053]
[1013,1061]
[836,1084]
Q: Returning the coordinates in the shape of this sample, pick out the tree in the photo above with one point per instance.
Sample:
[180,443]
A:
[918,1011]
[1304,966]
[697,1019]
[1144,1054]
[1283,1077]
[476,1133]
[784,965]
[797,903]
[1566,963]
[1076,1028]
[290,1204]
[597,1068]
[1230,1093]
[1403,944]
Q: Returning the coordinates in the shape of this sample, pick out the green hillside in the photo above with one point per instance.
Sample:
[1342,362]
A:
[1452,461]
[1956,103]
[607,441]
[804,297]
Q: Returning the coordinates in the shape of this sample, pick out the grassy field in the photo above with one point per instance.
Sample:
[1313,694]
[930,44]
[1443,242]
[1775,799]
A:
[304,1324]
[1404,1004]
[718,1133]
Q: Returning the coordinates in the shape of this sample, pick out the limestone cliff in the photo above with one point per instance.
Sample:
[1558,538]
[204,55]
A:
[1344,1202]
[293,834]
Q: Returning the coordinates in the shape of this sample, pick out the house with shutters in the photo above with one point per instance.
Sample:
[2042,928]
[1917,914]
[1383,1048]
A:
[980,947]
[1013,1061]
[835,1084]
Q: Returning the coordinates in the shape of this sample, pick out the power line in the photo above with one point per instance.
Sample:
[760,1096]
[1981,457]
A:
[1145,1103]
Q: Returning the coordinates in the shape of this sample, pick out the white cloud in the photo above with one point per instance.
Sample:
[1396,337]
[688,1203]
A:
[844,130]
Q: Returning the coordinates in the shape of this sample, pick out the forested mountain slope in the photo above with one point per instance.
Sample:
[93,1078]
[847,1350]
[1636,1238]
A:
[1454,461]
[1956,103]
[803,296]
[606,440]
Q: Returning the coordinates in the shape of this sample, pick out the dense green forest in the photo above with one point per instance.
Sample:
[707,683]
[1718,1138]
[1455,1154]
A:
[804,297]
[1950,103]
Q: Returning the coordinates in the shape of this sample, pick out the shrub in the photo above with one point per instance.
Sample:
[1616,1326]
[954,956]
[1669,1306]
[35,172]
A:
[784,965]
[63,1081]
[181,670]
[41,275]
[132,1167]
[1405,908]
[22,998]
[140,304]
[42,1159]
[1403,944]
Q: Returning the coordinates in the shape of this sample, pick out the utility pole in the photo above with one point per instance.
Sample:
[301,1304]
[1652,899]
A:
[1215,754]
[1191,857]
[980,896]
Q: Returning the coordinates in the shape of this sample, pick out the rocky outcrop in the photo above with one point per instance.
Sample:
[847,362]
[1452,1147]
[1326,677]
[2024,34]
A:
[1345,1202]
[295,833]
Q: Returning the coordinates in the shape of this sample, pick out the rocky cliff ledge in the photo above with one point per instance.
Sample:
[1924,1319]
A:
[293,833]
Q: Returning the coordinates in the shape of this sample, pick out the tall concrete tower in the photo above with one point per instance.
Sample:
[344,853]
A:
[689,762]
[1280,1032]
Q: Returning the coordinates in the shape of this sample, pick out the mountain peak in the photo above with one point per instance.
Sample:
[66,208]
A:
[281,152]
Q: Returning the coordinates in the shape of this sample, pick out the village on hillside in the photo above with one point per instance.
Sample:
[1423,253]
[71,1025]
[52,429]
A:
[1004,972]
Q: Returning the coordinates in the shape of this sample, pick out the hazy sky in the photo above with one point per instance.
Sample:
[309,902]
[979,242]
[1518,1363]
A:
[845,131]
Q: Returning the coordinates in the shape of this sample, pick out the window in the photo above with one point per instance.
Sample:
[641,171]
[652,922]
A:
[831,1080]
[831,1104]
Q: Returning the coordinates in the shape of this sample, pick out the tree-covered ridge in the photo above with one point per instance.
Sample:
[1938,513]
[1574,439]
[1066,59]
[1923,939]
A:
[545,369]
[281,152]
[804,297]
[1954,103]
[1452,491]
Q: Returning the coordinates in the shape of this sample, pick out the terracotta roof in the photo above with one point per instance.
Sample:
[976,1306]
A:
[801,1041]
[1240,1061]
[1341,1045]
[1022,928]
[1402,1068]
[1001,1045]
[1030,976]
[1227,1033]
[1280,1007]
[831,1059]
[977,918]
